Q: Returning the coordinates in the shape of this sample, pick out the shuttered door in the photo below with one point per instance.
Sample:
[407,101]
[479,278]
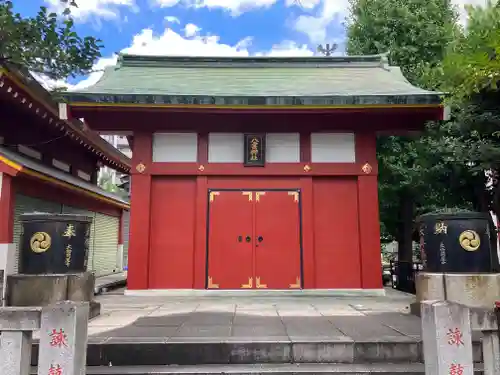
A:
[25,204]
[126,234]
[105,244]
[81,211]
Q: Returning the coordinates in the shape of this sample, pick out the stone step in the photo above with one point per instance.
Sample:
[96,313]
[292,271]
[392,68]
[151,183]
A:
[256,369]
[134,352]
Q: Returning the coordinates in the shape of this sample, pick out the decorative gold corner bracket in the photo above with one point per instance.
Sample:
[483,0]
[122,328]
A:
[249,194]
[201,168]
[249,285]
[367,168]
[211,284]
[295,195]
[259,285]
[258,194]
[213,194]
[297,284]
[307,168]
[140,167]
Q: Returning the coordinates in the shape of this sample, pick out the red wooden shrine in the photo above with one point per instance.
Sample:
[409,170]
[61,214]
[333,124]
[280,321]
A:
[304,215]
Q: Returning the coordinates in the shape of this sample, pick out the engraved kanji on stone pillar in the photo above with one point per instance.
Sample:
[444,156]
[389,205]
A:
[63,339]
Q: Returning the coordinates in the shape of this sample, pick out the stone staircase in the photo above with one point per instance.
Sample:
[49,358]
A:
[388,355]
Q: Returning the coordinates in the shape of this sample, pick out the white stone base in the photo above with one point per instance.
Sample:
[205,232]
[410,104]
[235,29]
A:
[470,289]
[7,259]
[257,293]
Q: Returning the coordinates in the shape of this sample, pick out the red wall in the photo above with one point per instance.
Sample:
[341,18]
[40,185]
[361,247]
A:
[336,236]
[172,227]
[332,251]
[340,222]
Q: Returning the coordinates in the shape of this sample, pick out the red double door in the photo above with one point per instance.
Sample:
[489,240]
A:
[254,240]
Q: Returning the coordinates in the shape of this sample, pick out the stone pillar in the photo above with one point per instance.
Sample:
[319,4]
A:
[446,334]
[63,339]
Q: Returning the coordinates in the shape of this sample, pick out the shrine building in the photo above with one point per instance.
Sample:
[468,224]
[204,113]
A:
[51,165]
[254,172]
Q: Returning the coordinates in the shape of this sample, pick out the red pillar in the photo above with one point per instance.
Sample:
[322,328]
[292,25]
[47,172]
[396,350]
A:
[369,220]
[6,208]
[140,212]
[369,232]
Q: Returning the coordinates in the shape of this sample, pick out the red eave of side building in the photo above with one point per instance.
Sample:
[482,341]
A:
[24,88]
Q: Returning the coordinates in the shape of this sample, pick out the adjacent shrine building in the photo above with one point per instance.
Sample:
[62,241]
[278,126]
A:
[254,172]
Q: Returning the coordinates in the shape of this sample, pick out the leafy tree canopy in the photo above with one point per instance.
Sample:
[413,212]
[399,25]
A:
[46,43]
[472,64]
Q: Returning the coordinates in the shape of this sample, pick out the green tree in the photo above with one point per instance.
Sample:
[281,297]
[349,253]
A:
[472,64]
[416,34]
[45,43]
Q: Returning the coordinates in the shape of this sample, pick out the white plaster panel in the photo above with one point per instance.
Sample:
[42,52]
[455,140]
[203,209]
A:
[175,147]
[283,147]
[61,165]
[333,148]
[225,148]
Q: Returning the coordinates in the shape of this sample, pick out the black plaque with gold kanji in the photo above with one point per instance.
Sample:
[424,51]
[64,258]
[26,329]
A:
[255,150]
[54,243]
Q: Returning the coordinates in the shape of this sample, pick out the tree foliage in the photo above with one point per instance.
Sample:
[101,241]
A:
[46,43]
[454,163]
[472,64]
[415,34]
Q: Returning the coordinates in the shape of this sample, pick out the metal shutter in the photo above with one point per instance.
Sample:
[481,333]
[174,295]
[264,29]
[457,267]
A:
[105,244]
[126,234]
[25,204]
[81,211]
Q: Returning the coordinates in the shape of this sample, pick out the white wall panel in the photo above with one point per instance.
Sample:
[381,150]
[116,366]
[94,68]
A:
[333,148]
[283,147]
[175,147]
[225,148]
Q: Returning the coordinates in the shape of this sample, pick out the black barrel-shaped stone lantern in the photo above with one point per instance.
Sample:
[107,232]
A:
[456,242]
[54,243]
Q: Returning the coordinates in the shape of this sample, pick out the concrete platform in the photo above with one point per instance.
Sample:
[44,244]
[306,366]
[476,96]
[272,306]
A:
[159,331]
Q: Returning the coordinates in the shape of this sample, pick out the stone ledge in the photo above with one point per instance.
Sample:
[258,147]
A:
[471,290]
[133,352]
[256,369]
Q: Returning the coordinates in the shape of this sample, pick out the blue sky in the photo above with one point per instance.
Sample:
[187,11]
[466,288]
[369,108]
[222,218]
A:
[204,27]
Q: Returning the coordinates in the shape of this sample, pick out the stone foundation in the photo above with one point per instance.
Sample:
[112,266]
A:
[44,290]
[470,289]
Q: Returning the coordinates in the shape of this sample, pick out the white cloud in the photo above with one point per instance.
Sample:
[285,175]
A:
[316,26]
[235,7]
[191,30]
[306,4]
[332,12]
[172,19]
[173,44]
[102,9]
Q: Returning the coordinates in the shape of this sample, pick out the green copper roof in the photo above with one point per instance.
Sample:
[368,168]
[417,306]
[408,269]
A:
[254,81]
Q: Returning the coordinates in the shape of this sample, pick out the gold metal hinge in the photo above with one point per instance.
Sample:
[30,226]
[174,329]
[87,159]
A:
[297,284]
[249,285]
[258,284]
[258,194]
[249,194]
[213,194]
[211,284]
[295,195]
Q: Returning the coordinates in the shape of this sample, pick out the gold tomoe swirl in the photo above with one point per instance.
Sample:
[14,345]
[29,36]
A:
[469,240]
[40,242]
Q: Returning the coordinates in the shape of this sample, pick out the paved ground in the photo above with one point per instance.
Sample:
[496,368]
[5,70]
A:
[255,318]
